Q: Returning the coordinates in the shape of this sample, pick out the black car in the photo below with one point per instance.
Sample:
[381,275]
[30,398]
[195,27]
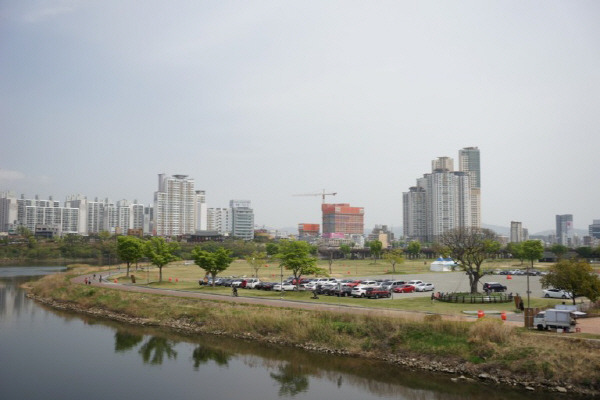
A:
[494,287]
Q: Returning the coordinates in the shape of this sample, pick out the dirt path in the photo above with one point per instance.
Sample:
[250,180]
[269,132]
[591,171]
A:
[586,325]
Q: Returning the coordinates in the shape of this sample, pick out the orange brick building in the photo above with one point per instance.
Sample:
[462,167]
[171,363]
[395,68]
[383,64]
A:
[342,219]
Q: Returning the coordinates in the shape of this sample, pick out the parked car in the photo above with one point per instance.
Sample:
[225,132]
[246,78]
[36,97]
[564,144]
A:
[286,286]
[424,287]
[414,282]
[494,287]
[375,293]
[251,283]
[404,289]
[557,294]
[342,291]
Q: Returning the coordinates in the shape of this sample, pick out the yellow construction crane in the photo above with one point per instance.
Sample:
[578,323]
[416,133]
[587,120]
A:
[322,194]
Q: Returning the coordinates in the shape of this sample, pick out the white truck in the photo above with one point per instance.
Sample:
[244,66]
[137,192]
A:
[554,319]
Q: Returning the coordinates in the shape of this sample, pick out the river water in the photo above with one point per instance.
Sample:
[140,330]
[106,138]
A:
[47,354]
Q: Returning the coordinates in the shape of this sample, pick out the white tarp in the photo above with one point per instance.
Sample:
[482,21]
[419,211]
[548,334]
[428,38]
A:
[442,265]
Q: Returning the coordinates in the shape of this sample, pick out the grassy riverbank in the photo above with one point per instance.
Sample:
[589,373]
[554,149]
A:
[505,354]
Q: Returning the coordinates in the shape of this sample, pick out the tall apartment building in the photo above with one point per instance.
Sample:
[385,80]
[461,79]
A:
[516,232]
[342,219]
[242,219]
[219,220]
[468,161]
[8,212]
[201,211]
[444,199]
[174,205]
[564,229]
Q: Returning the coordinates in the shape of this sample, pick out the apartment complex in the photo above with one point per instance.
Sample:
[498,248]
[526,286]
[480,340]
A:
[444,199]
[518,234]
[174,205]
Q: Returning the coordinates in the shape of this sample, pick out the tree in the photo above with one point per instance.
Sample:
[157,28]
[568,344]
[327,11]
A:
[272,249]
[212,262]
[414,249]
[585,252]
[256,260]
[130,249]
[559,251]
[531,250]
[296,257]
[394,256]
[375,246]
[516,250]
[160,252]
[470,246]
[345,249]
[575,276]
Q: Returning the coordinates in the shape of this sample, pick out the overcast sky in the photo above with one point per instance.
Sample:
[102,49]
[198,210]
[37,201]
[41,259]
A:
[261,100]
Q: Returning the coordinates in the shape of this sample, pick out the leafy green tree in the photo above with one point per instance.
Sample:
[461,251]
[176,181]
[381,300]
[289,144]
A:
[375,246]
[212,262]
[584,252]
[470,246]
[559,250]
[130,249]
[394,256]
[575,276]
[296,257]
[345,249]
[160,252]
[516,250]
[532,250]
[272,249]
[256,260]
[414,249]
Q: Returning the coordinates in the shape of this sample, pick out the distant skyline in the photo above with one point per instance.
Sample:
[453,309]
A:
[262,100]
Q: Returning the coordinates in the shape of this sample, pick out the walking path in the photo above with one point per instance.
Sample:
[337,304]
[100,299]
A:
[586,325]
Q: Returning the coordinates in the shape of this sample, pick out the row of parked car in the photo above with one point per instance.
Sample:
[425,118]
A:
[532,272]
[330,286]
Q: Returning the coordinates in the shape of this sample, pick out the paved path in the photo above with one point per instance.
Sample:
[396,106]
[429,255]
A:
[587,325]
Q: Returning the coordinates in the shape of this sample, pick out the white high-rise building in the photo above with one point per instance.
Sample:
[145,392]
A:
[201,211]
[468,160]
[174,205]
[242,219]
[516,232]
[8,212]
[219,220]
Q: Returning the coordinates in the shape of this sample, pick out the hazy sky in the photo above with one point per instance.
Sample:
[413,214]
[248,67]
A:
[261,100]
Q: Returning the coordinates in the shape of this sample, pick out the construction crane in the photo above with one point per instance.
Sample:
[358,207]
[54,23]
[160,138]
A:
[322,194]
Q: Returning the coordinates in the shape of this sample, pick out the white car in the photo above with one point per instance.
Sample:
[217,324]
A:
[414,282]
[285,287]
[424,287]
[557,294]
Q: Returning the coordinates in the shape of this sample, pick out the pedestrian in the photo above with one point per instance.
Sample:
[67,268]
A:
[100,278]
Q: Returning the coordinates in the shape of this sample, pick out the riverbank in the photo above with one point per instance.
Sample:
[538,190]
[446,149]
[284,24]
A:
[486,350]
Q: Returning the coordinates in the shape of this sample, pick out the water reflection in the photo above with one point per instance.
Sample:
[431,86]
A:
[291,378]
[203,354]
[156,348]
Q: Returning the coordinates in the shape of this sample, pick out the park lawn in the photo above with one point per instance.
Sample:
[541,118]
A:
[187,271]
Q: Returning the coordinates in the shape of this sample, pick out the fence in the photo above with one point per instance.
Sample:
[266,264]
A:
[473,298]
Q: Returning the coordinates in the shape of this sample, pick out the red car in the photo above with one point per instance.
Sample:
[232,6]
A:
[404,289]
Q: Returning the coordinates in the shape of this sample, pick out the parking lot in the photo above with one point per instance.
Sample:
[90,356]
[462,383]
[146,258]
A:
[459,282]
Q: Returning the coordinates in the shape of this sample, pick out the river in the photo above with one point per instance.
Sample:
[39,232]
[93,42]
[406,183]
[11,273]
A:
[47,354]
